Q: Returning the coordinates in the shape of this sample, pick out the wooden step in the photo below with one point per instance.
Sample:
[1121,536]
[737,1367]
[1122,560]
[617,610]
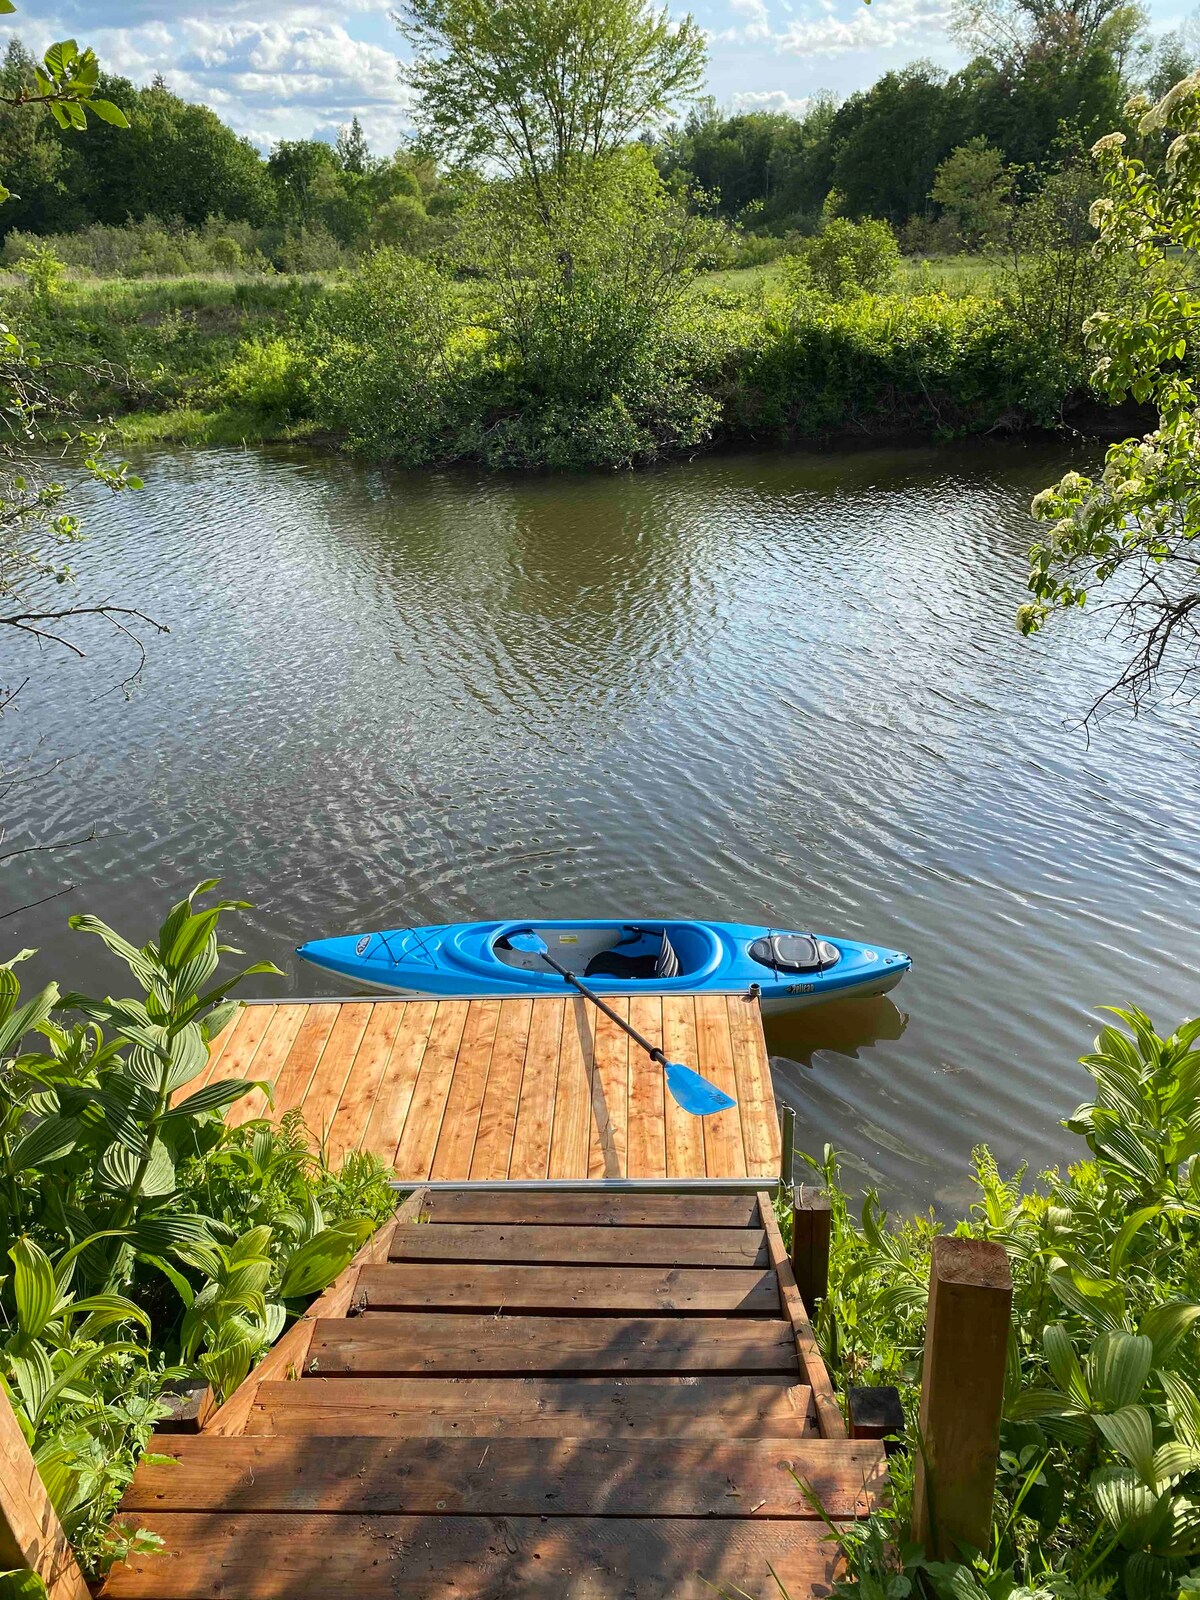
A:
[283,1556]
[599,1246]
[717,1406]
[519,1477]
[434,1286]
[383,1343]
[599,1209]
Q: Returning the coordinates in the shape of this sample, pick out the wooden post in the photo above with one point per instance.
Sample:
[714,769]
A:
[962,1395]
[787,1154]
[811,1221]
[30,1532]
[876,1414]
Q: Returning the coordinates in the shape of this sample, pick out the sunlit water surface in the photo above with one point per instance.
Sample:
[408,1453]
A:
[781,689]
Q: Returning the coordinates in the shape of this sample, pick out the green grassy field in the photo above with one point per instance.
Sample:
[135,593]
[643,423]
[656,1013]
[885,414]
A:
[953,275]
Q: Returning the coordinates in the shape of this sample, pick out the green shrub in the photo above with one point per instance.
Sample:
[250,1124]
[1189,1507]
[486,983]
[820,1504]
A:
[147,1241]
[267,376]
[1099,1484]
[848,258]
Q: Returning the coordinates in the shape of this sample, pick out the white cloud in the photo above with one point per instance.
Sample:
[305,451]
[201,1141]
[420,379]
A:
[286,75]
[770,100]
[850,25]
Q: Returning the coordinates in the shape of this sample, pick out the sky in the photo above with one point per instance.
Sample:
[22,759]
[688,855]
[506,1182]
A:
[281,69]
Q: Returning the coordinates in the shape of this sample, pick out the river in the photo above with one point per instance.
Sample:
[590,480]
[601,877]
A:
[777,688]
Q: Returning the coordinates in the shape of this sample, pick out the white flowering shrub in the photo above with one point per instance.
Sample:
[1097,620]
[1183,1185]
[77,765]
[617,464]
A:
[1139,522]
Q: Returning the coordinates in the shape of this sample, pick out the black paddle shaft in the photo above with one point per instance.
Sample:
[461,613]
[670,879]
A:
[652,1051]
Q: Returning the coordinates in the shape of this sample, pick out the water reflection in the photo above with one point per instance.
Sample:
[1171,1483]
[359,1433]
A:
[783,689]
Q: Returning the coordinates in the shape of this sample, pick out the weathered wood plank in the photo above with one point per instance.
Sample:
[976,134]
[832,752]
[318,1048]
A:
[658,1291]
[381,1343]
[684,1133]
[535,1112]
[812,1363]
[646,1141]
[527,1477]
[293,1557]
[755,1094]
[460,1123]
[390,1110]
[597,1208]
[249,1027]
[498,1118]
[707,1406]
[603,1246]
[414,1155]
[30,1532]
[572,1135]
[724,1156]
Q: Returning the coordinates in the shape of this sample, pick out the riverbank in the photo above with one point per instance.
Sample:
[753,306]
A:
[407,368]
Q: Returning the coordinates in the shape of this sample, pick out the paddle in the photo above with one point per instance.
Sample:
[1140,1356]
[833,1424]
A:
[688,1088]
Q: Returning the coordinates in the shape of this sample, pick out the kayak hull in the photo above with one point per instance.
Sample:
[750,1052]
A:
[471,961]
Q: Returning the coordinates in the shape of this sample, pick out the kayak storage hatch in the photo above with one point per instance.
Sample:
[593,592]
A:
[465,959]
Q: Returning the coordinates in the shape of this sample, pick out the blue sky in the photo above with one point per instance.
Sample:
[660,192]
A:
[280,69]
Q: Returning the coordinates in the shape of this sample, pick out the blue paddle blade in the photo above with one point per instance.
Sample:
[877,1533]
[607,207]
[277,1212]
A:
[694,1093]
[529,942]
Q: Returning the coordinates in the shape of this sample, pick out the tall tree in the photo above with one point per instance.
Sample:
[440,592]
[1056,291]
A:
[541,87]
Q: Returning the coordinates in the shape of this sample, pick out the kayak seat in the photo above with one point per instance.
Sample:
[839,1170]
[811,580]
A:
[660,963]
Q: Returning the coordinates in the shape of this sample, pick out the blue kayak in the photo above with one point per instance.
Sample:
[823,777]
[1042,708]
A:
[466,959]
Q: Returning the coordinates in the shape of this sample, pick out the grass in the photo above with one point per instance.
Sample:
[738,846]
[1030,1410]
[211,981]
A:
[955,275]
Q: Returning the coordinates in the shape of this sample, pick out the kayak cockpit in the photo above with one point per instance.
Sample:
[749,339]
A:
[629,952]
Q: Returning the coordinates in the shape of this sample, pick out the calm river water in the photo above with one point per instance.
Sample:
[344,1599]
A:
[783,688]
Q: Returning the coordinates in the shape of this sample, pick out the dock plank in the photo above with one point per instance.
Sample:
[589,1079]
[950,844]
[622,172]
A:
[303,1059]
[381,1343]
[535,1111]
[388,1114]
[325,1093]
[755,1095]
[654,1290]
[498,1118]
[268,1061]
[684,1132]
[460,1124]
[423,1125]
[723,1151]
[289,1556]
[571,1477]
[597,1207]
[646,1141]
[610,1097]
[362,1087]
[638,1406]
[599,1246]
[571,1137]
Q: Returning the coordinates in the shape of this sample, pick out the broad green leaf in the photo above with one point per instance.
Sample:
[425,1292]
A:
[1099,1301]
[118,1168]
[1130,1228]
[134,959]
[107,112]
[27,1017]
[1166,1325]
[215,1096]
[1175,1460]
[34,1289]
[1134,1512]
[1118,1366]
[1064,1364]
[1130,1432]
[48,1140]
[316,1264]
[20,1583]
[166,1231]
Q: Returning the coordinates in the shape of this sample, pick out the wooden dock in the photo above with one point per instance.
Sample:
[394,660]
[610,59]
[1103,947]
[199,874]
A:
[511,1089]
[516,1395]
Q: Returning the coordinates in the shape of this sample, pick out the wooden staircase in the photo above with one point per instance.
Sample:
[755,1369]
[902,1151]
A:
[577,1395]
